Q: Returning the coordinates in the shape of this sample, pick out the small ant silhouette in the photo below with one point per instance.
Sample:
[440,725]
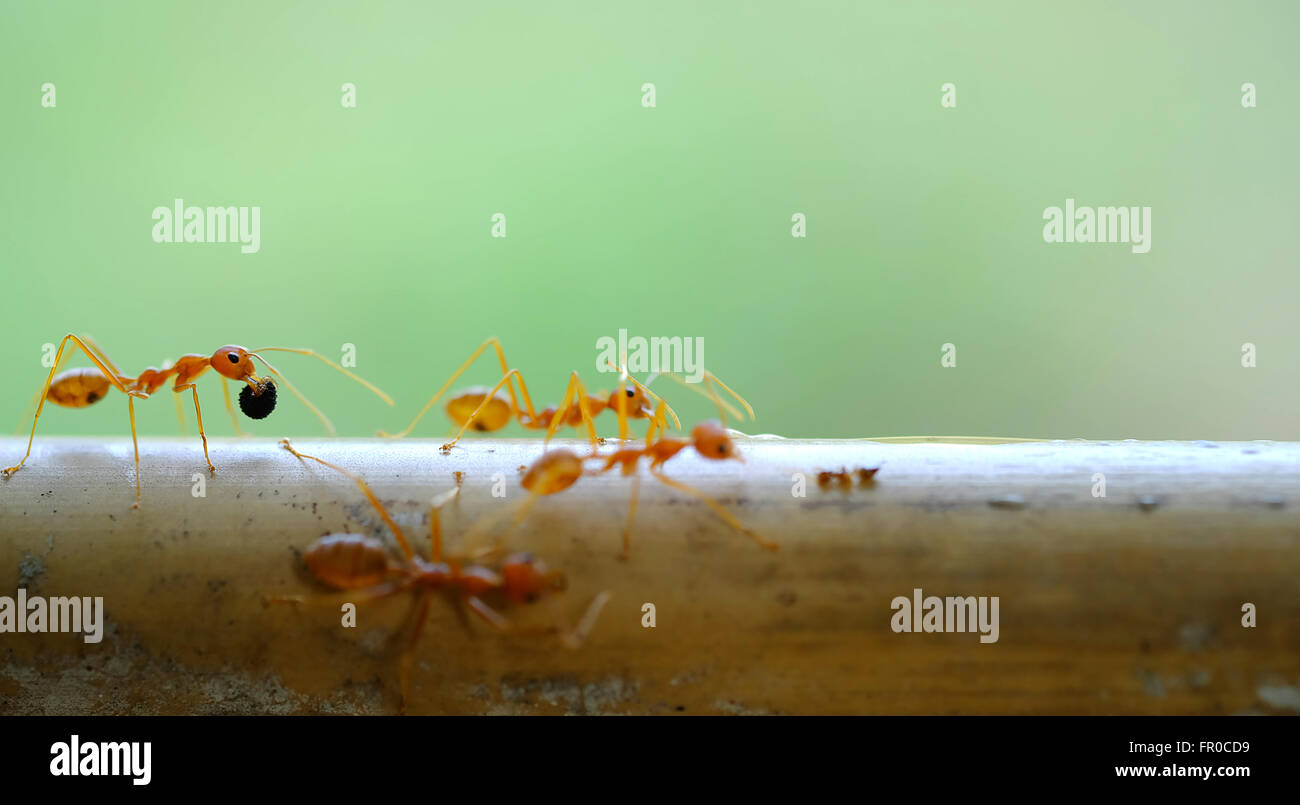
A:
[362,566]
[844,478]
[78,388]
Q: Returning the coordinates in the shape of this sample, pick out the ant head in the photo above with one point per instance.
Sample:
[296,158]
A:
[634,400]
[233,362]
[555,471]
[527,578]
[711,441]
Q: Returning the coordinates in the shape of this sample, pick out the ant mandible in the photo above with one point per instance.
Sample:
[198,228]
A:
[363,567]
[78,388]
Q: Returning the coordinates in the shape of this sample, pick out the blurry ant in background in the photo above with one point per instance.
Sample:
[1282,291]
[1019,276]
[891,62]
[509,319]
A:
[844,478]
[78,388]
[363,567]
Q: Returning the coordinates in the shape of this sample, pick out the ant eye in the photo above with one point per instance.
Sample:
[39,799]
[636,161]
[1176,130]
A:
[631,393]
[722,449]
[233,357]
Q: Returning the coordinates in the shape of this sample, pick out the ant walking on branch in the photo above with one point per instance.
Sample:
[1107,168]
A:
[560,468]
[363,568]
[79,388]
[709,440]
[485,409]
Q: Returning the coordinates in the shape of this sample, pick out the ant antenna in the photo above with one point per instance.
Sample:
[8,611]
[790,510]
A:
[723,406]
[329,426]
[365,490]
[352,375]
[623,373]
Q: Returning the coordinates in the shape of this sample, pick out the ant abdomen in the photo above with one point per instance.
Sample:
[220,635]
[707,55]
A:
[348,561]
[494,416]
[555,471]
[77,388]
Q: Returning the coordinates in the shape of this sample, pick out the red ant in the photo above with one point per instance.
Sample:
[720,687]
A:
[485,410]
[363,565]
[78,388]
[558,469]
[709,439]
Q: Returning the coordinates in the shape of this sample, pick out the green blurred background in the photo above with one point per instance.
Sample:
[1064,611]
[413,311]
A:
[924,223]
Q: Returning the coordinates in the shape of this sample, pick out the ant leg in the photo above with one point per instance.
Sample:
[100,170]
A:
[495,343]
[180,415]
[38,396]
[631,516]
[482,553]
[435,530]
[581,393]
[575,388]
[486,399]
[100,353]
[363,595]
[135,442]
[360,596]
[717,509]
[435,521]
[199,415]
[569,637]
[560,412]
[622,407]
[27,411]
[230,408]
[365,490]
[108,373]
[487,613]
[658,425]
[575,637]
[487,524]
[421,614]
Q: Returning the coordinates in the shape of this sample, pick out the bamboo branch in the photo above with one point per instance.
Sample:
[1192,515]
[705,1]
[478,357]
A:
[1128,603]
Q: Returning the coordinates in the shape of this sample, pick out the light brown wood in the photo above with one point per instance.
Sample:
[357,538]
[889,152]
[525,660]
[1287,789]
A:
[1129,603]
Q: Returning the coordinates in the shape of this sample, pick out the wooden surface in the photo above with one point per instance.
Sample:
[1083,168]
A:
[1125,604]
